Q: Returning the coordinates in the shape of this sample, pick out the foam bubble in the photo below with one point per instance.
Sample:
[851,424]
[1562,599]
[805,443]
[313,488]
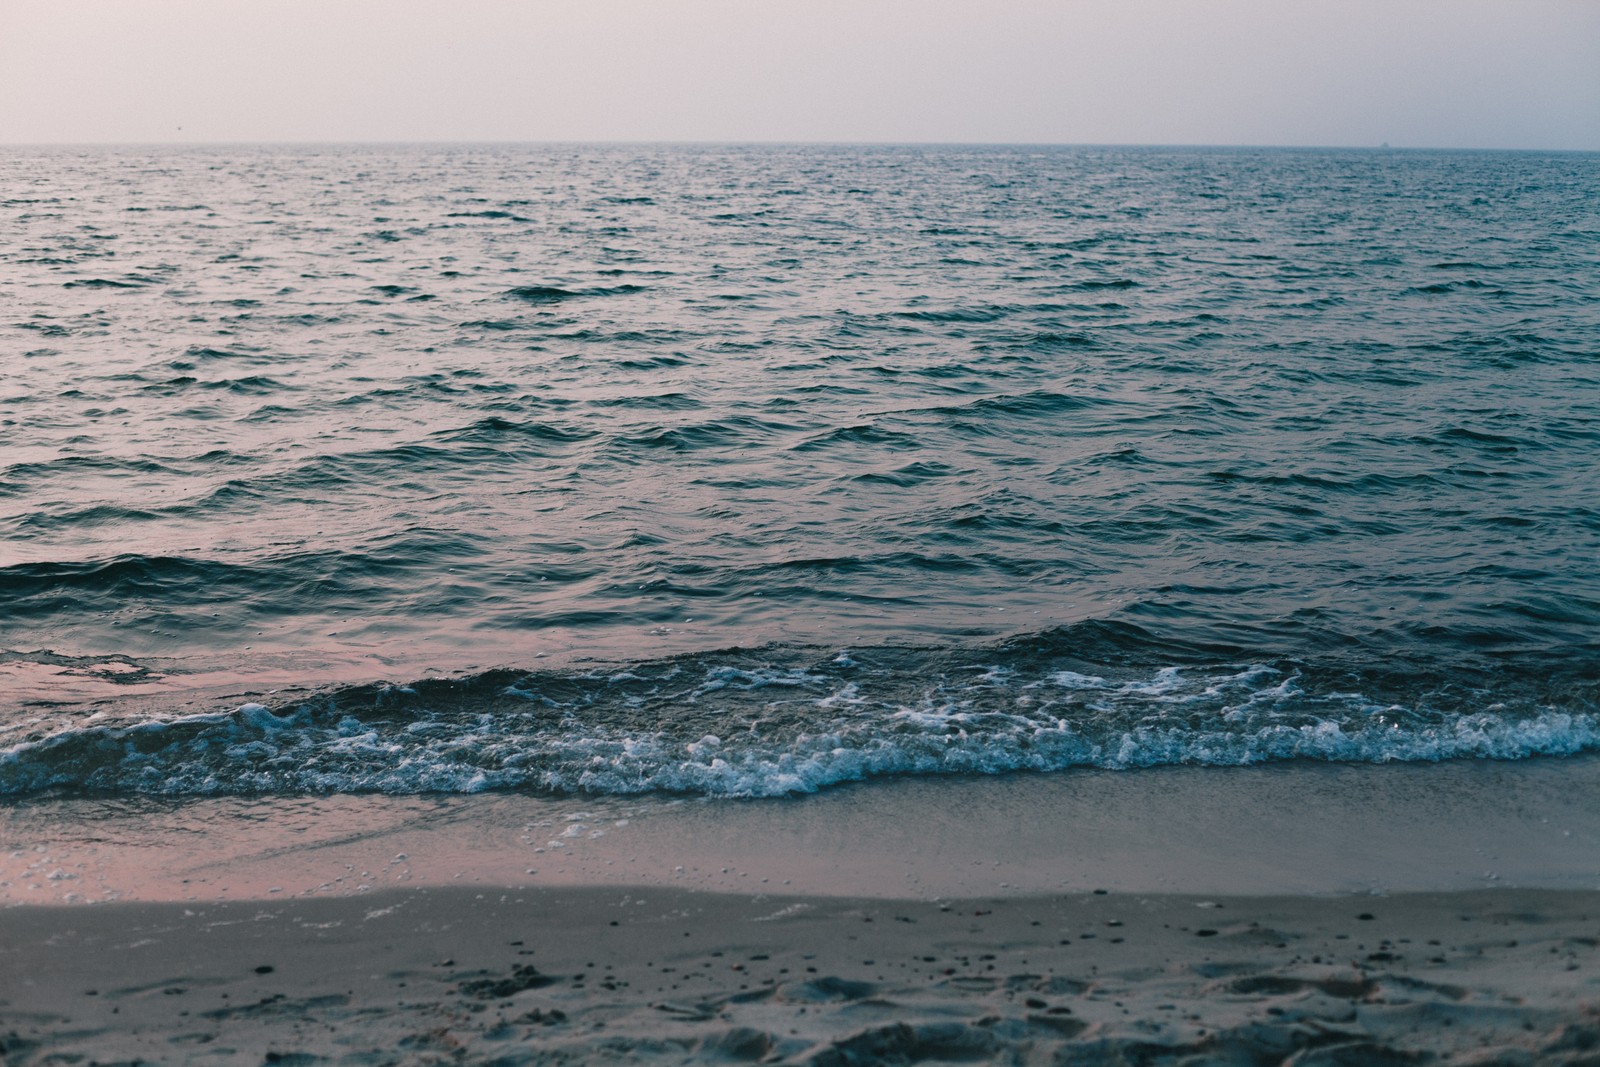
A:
[732,726]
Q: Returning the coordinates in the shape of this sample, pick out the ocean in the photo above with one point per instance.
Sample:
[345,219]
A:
[721,471]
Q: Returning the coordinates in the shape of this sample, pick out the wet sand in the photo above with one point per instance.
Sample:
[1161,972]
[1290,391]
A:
[1276,829]
[603,975]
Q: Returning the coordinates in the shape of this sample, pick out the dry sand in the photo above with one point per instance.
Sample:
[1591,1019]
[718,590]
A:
[602,975]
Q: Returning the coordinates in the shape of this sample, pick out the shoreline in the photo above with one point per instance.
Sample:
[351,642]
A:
[1306,915]
[1292,828]
[605,974]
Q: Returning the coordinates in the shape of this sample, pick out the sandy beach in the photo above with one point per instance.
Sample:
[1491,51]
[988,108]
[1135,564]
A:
[1182,916]
[604,975]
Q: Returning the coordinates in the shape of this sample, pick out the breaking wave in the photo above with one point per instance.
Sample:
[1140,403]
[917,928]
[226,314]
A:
[782,721]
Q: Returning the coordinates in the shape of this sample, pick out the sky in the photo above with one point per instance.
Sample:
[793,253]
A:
[1413,73]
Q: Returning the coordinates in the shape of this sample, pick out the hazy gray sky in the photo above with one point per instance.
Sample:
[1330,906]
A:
[1463,73]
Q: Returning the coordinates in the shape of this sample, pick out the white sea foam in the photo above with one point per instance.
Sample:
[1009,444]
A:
[751,737]
[1074,680]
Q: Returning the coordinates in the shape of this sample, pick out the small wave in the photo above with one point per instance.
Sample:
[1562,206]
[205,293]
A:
[909,475]
[207,354]
[497,430]
[1330,482]
[656,402]
[1036,403]
[986,313]
[50,586]
[1483,439]
[326,472]
[18,477]
[783,721]
[718,433]
[105,283]
[1440,288]
[550,294]
[1096,284]
[136,585]
[863,435]
[1045,341]
[492,213]
[80,518]
[250,385]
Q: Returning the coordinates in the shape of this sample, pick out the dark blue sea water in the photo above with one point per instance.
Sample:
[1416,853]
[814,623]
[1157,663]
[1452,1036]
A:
[748,470]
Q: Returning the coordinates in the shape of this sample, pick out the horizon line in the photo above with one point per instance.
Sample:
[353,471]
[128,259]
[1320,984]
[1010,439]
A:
[689,142]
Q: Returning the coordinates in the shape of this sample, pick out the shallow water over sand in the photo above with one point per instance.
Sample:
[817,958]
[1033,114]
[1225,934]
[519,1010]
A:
[1299,828]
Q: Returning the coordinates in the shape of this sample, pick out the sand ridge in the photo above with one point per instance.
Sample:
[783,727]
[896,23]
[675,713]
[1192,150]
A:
[602,975]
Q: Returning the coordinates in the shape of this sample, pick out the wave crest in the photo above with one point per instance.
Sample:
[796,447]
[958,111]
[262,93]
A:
[782,721]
